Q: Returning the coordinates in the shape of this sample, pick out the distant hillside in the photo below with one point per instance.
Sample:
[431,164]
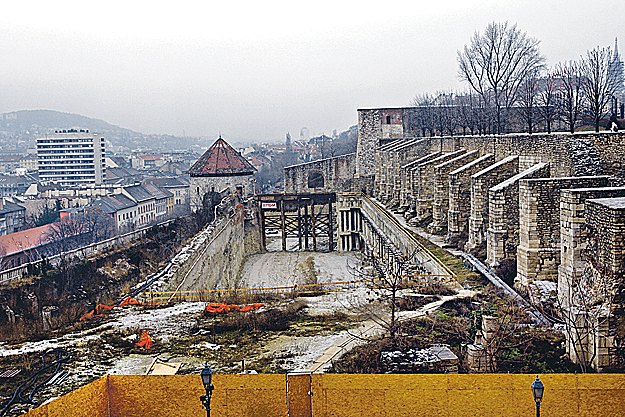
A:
[25,125]
[47,121]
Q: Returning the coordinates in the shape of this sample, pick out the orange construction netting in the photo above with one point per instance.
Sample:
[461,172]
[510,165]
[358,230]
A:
[221,308]
[100,309]
[145,341]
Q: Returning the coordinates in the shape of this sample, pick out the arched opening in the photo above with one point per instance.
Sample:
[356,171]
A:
[315,180]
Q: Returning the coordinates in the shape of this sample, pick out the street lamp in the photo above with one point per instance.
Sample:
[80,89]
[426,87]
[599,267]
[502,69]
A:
[207,377]
[538,389]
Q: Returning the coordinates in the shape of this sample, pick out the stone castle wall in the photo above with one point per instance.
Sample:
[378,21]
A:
[338,174]
[503,214]
[574,234]
[605,219]
[199,186]
[538,253]
[440,206]
[481,182]
[460,194]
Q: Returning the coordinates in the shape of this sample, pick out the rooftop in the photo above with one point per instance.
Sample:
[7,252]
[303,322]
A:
[219,160]
[26,239]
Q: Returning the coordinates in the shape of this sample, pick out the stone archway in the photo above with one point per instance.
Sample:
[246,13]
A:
[316,180]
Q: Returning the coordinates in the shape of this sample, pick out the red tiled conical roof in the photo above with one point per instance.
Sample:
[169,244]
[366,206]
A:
[221,159]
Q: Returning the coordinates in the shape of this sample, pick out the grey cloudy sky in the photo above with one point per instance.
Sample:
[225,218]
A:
[255,70]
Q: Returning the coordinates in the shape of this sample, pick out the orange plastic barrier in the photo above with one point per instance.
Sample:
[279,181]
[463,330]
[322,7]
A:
[100,309]
[129,301]
[221,308]
[145,341]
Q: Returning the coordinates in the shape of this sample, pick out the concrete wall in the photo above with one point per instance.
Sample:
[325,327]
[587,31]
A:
[538,253]
[460,195]
[503,214]
[324,395]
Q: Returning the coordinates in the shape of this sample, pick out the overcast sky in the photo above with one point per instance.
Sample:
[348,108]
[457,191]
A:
[256,70]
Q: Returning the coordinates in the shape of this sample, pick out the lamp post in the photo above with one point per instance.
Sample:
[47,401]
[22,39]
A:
[538,389]
[207,377]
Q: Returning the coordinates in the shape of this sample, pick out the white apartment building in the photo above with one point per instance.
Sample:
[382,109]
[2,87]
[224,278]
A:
[71,158]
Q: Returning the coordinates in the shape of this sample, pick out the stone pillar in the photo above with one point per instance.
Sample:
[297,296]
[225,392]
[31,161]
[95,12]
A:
[440,206]
[407,198]
[573,234]
[503,215]
[538,253]
[460,194]
[425,183]
[481,182]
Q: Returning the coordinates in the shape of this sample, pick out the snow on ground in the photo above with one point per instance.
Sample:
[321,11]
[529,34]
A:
[165,322]
[276,269]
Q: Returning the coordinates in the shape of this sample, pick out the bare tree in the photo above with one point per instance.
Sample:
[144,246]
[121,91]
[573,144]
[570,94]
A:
[465,112]
[385,280]
[569,95]
[546,101]
[527,102]
[496,63]
[425,115]
[599,83]
[78,231]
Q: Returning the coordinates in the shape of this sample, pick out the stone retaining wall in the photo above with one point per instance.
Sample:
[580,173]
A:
[538,253]
[503,214]
[574,234]
[460,194]
[338,174]
[424,174]
[441,189]
[481,182]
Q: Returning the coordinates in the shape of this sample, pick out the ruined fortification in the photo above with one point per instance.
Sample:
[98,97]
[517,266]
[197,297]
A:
[517,198]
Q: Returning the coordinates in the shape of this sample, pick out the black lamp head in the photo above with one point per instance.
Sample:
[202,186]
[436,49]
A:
[207,376]
[538,389]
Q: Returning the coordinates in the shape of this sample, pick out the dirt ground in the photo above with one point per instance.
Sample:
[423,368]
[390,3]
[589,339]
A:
[331,323]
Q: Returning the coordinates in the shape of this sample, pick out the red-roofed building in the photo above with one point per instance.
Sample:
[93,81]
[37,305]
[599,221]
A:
[16,248]
[221,168]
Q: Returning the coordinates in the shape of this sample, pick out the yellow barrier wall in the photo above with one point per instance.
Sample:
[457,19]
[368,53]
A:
[345,396]
[466,395]
[88,401]
[179,395]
